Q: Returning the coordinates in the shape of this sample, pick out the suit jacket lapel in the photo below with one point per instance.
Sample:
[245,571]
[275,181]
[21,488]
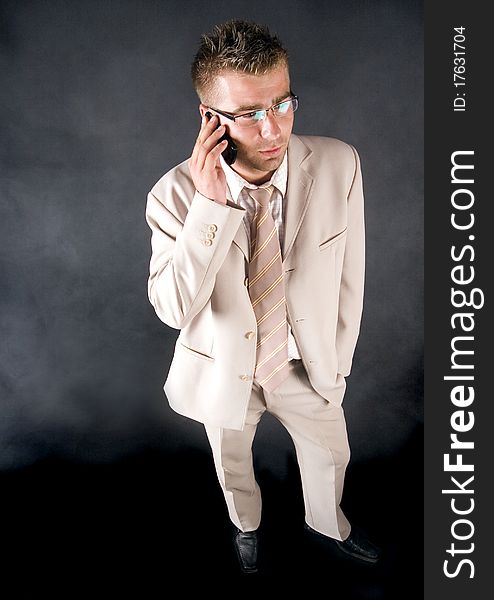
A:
[298,191]
[240,238]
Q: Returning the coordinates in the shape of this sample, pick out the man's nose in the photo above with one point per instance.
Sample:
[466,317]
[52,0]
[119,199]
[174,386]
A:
[270,128]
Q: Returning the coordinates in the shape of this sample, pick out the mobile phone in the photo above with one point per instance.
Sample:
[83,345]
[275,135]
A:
[230,152]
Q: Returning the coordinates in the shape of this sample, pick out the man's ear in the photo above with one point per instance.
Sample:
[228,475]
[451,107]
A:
[202,109]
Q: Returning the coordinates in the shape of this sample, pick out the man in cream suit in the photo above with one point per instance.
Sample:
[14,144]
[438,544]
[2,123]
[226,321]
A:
[207,221]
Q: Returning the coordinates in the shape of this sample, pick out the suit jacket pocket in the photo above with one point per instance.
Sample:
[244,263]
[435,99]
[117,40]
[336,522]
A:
[332,240]
[196,353]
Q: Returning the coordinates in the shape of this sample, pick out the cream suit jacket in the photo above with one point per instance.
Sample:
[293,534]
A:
[198,279]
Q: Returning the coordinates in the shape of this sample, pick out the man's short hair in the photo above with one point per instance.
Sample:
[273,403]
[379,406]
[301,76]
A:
[239,46]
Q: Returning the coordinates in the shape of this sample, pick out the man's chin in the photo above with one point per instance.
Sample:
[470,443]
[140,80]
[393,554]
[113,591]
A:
[257,166]
[268,163]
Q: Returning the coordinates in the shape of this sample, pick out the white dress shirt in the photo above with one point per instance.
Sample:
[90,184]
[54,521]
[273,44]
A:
[237,186]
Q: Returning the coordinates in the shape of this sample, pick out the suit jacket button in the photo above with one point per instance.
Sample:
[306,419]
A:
[207,242]
[212,227]
[249,335]
[246,281]
[244,377]
[210,235]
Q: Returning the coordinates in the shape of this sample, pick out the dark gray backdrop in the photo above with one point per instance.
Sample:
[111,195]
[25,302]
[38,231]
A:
[96,105]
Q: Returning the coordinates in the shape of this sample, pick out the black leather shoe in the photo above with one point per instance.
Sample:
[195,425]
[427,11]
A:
[356,545]
[359,546]
[246,547]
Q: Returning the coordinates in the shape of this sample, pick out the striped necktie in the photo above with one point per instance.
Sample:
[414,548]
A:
[267,293]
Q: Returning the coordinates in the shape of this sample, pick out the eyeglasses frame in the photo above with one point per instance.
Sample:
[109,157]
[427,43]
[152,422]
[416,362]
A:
[233,117]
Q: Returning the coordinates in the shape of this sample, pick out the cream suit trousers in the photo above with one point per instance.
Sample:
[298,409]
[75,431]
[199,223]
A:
[318,430]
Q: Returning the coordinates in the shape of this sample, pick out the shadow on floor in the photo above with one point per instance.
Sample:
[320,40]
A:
[136,527]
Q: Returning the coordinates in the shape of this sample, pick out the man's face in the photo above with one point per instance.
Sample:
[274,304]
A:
[261,147]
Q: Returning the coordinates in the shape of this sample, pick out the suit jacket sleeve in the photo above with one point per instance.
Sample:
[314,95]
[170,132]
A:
[183,263]
[352,282]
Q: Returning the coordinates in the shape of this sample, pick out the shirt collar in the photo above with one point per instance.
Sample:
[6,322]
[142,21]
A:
[236,183]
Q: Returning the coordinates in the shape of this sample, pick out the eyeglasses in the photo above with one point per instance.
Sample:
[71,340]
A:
[280,109]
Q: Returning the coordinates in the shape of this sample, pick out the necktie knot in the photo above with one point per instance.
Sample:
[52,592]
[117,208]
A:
[262,195]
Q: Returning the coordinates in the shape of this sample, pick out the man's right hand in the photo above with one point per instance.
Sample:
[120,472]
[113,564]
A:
[204,164]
